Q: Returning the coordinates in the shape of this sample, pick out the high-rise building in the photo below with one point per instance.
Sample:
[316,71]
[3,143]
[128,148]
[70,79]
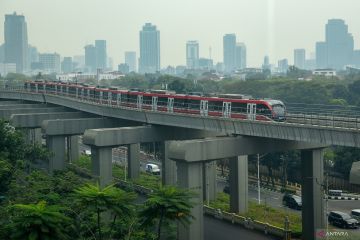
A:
[149,49]
[101,55]
[340,44]
[130,60]
[356,58]
[266,64]
[229,44]
[299,58]
[16,41]
[67,65]
[205,64]
[33,54]
[192,54]
[2,53]
[283,65]
[50,62]
[240,56]
[321,55]
[90,58]
[79,61]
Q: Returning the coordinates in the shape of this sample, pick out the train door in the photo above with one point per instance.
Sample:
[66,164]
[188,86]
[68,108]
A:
[170,105]
[226,109]
[67,90]
[204,107]
[56,87]
[44,88]
[251,111]
[76,92]
[61,90]
[154,101]
[109,98]
[82,94]
[100,97]
[118,99]
[139,101]
[36,88]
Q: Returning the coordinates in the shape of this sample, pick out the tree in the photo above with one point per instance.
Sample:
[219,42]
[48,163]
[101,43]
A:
[168,203]
[38,221]
[93,198]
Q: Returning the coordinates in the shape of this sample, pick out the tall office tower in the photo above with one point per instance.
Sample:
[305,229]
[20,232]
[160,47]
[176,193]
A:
[130,60]
[16,41]
[192,54]
[321,55]
[33,55]
[340,44]
[356,58]
[90,58]
[67,65]
[299,58]
[101,56]
[50,62]
[283,65]
[229,44]
[79,61]
[149,49]
[2,54]
[266,64]
[240,56]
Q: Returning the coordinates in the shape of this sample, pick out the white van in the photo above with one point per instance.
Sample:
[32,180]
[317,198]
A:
[152,168]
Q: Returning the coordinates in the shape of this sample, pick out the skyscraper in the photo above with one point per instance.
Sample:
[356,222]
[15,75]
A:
[149,49]
[101,55]
[299,58]
[16,41]
[266,64]
[130,60]
[229,44]
[240,56]
[283,66]
[321,55]
[340,44]
[33,54]
[2,54]
[192,54]
[90,58]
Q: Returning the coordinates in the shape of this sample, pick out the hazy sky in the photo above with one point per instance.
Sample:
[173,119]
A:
[273,27]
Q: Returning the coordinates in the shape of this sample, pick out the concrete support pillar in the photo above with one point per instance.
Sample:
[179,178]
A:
[312,169]
[73,143]
[56,145]
[168,167]
[32,135]
[238,177]
[37,136]
[101,163]
[133,160]
[190,177]
[209,181]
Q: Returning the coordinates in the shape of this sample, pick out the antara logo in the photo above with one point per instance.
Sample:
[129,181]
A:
[322,234]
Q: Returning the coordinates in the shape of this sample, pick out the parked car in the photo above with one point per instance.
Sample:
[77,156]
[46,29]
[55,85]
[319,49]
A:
[355,213]
[342,220]
[152,168]
[292,201]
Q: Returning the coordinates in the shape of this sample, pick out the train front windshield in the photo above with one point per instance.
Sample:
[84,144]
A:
[279,112]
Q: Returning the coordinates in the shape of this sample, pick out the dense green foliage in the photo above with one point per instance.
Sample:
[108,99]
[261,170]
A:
[64,205]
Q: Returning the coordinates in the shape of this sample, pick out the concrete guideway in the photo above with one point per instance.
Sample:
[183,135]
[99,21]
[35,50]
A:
[6,113]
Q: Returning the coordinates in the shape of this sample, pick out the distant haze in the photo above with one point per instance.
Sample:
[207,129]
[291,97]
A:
[273,27]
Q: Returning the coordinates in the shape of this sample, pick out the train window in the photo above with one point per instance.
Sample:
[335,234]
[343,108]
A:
[238,107]
[180,103]
[215,106]
[194,104]
[162,101]
[262,109]
[147,100]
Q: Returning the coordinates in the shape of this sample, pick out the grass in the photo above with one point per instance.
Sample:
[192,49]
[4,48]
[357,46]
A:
[262,213]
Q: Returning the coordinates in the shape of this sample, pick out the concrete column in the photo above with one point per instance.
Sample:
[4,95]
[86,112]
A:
[190,177]
[209,181]
[37,136]
[168,167]
[74,148]
[312,169]
[101,163]
[238,177]
[133,160]
[56,145]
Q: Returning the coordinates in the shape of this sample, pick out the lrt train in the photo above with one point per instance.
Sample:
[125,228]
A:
[235,106]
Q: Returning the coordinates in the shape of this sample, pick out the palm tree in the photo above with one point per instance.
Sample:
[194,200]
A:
[38,221]
[94,198]
[168,203]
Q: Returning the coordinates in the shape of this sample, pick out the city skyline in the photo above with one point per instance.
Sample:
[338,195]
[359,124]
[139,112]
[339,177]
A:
[264,27]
